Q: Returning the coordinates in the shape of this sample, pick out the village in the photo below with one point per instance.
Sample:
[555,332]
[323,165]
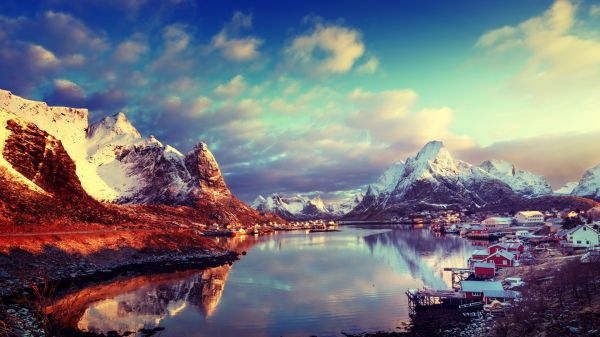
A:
[236,229]
[491,283]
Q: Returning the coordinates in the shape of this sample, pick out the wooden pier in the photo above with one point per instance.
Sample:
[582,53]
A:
[420,298]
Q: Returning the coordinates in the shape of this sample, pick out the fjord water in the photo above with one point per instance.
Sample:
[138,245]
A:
[288,284]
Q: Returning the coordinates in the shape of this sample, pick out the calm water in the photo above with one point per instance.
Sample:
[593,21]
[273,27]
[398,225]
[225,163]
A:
[289,284]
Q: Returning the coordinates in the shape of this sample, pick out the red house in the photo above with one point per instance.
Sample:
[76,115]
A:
[479,255]
[502,259]
[512,247]
[484,270]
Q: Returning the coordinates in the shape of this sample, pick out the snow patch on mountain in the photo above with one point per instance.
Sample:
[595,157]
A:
[298,207]
[69,125]
[5,116]
[115,163]
[589,185]
[522,182]
[567,189]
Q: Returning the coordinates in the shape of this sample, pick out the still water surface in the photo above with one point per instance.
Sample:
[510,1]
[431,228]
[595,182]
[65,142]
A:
[289,284]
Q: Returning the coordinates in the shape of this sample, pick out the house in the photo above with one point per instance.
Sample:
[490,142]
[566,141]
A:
[529,217]
[516,248]
[581,236]
[594,213]
[502,259]
[484,270]
[478,256]
[554,224]
[497,222]
[475,289]
[499,295]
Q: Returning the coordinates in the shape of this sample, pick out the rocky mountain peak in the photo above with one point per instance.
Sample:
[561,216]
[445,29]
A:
[498,166]
[520,181]
[434,151]
[202,164]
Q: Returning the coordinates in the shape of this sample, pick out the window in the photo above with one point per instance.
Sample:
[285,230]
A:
[476,294]
[578,241]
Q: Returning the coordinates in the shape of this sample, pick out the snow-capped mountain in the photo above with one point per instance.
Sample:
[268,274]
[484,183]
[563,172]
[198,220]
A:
[115,163]
[106,161]
[589,185]
[340,209]
[295,207]
[433,180]
[567,189]
[300,207]
[522,182]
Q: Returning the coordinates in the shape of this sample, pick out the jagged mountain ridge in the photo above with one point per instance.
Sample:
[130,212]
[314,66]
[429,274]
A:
[567,189]
[589,185]
[300,207]
[432,179]
[114,163]
[38,182]
[522,182]
[110,161]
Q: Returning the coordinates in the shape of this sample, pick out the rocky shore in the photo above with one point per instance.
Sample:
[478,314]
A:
[24,291]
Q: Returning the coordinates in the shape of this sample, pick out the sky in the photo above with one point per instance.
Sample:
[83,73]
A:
[320,97]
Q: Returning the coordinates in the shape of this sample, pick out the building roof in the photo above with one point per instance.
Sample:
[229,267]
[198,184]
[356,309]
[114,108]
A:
[480,286]
[500,293]
[498,218]
[504,253]
[481,252]
[484,265]
[530,213]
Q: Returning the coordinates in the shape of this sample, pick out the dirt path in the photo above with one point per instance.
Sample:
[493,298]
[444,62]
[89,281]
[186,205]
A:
[66,233]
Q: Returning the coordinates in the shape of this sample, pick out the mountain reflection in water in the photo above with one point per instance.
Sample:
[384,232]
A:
[290,284]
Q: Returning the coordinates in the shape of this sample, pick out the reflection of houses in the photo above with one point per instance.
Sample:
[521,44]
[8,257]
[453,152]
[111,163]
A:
[412,248]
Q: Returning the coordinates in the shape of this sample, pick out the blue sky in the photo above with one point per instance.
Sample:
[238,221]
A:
[320,97]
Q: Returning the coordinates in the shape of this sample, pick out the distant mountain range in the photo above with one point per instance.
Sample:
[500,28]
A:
[52,156]
[55,166]
[299,207]
[433,179]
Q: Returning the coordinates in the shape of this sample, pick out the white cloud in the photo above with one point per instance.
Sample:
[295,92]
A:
[42,57]
[595,10]
[234,47]
[559,57]
[235,87]
[388,116]
[176,38]
[369,67]
[130,51]
[342,47]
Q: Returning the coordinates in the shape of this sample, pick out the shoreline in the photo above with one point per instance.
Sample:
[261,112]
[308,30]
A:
[21,302]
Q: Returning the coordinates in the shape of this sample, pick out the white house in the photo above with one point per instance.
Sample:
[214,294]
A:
[529,217]
[497,222]
[582,236]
